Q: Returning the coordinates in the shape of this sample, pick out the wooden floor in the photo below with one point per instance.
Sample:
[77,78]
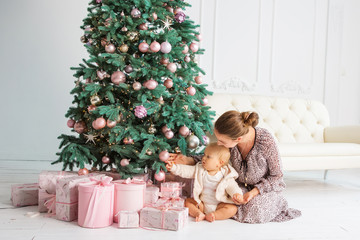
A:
[331,210]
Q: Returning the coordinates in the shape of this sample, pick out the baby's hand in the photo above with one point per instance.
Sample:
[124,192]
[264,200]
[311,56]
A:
[238,198]
[169,165]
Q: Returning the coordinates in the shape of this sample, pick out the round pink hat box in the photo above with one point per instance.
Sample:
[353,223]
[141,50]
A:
[128,196]
[95,207]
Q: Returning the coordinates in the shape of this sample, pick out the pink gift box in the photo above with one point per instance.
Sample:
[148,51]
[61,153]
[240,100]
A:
[24,194]
[169,219]
[47,179]
[47,201]
[171,189]
[67,195]
[151,195]
[187,184]
[128,219]
[96,203]
[129,196]
[170,202]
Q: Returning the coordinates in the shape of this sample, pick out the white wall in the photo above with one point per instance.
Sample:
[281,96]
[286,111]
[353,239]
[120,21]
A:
[300,48]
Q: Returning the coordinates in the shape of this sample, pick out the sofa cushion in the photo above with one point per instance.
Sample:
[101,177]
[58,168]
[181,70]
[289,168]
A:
[318,149]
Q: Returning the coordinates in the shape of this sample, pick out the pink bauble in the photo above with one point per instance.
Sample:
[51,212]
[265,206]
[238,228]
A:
[198,79]
[110,124]
[184,131]
[128,141]
[160,176]
[80,127]
[143,26]
[143,47]
[171,67]
[71,123]
[186,49]
[194,47]
[155,46]
[83,171]
[177,10]
[101,74]
[191,91]
[124,162]
[99,123]
[110,48]
[168,83]
[206,139]
[164,129]
[205,101]
[165,47]
[199,37]
[170,9]
[91,108]
[164,156]
[164,61]
[151,84]
[135,13]
[187,59]
[169,134]
[155,16]
[88,80]
[136,86]
[118,77]
[105,159]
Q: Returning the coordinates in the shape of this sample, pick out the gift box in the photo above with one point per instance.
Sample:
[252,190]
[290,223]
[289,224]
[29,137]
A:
[151,195]
[187,184]
[128,219]
[47,179]
[171,189]
[67,195]
[164,218]
[170,202]
[116,176]
[129,195]
[24,194]
[47,201]
[96,203]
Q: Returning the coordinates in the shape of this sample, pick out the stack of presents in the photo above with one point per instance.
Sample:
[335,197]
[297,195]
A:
[98,199]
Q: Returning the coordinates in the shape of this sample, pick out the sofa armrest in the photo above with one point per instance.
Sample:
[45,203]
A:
[342,134]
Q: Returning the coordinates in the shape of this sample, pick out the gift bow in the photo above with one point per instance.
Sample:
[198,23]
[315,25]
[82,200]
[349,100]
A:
[131,181]
[103,181]
[51,203]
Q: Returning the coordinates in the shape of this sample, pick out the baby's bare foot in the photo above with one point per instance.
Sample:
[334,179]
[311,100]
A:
[210,217]
[199,217]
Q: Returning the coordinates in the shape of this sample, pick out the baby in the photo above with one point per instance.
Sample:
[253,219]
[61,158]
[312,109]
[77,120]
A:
[214,185]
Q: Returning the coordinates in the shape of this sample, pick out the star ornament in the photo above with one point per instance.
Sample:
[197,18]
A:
[167,23]
[90,138]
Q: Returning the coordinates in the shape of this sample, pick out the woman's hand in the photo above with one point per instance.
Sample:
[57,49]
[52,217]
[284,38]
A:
[250,195]
[181,159]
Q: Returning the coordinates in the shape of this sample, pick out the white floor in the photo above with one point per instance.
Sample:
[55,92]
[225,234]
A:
[331,210]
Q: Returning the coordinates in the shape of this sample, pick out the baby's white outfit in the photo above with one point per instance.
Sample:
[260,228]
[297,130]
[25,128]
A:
[210,184]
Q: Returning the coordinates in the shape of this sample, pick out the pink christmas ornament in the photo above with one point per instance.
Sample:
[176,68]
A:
[143,26]
[91,108]
[170,9]
[110,124]
[164,61]
[171,67]
[198,79]
[169,134]
[124,162]
[118,77]
[194,47]
[164,129]
[135,13]
[140,111]
[187,59]
[151,84]
[206,140]
[88,80]
[155,46]
[165,47]
[143,47]
[177,10]
[191,91]
[205,101]
[155,16]
[199,37]
[128,141]
[80,127]
[164,156]
[101,74]
[71,123]
[184,131]
[186,48]
[136,86]
[168,83]
[160,176]
[105,159]
[110,48]
[99,123]
[83,171]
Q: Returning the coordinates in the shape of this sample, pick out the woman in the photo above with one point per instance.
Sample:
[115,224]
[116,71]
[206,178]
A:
[255,156]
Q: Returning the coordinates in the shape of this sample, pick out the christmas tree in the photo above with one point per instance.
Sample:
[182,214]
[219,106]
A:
[140,95]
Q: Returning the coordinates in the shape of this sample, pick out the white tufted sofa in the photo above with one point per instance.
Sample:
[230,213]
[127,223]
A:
[301,128]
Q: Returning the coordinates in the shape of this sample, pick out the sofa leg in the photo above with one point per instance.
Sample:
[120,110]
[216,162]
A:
[325,174]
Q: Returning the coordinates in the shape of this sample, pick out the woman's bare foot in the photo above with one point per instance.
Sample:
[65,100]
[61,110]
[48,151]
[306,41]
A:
[199,217]
[210,217]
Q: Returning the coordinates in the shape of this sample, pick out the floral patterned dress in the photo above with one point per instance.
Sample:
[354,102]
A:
[262,169]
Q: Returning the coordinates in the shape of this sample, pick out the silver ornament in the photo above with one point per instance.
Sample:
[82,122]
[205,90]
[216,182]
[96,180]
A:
[149,152]
[152,129]
[83,39]
[95,100]
[192,142]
